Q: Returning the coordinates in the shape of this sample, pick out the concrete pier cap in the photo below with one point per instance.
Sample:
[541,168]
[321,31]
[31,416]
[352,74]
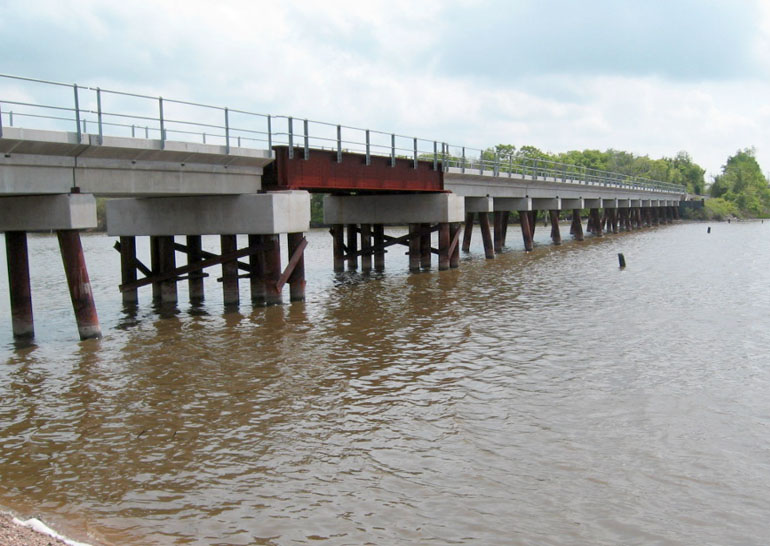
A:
[553,203]
[572,204]
[513,203]
[255,214]
[609,203]
[47,212]
[479,204]
[411,208]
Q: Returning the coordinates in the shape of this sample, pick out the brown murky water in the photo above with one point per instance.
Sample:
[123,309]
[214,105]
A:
[547,398]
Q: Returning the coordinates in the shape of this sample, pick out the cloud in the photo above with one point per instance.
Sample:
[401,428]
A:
[652,77]
[679,40]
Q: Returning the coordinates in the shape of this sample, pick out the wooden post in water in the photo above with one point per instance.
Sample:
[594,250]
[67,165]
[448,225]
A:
[128,269]
[555,233]
[19,285]
[79,284]
[230,290]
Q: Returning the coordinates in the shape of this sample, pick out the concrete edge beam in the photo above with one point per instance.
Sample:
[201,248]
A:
[256,214]
[47,212]
[394,209]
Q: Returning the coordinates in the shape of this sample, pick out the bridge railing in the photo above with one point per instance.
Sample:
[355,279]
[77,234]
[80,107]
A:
[41,104]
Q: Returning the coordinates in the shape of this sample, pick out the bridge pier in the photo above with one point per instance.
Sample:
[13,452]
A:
[261,216]
[66,214]
[423,213]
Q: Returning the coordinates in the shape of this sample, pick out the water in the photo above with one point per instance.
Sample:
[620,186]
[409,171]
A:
[542,398]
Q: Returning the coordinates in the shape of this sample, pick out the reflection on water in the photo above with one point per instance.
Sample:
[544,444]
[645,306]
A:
[542,398]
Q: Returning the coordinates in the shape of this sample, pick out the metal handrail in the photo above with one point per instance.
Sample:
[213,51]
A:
[293,132]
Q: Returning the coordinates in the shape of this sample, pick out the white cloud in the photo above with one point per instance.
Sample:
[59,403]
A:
[383,65]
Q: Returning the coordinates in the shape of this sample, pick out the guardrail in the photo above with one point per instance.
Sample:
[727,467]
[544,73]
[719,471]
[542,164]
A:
[53,105]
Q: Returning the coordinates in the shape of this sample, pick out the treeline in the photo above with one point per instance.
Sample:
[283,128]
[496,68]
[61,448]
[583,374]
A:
[678,170]
[741,189]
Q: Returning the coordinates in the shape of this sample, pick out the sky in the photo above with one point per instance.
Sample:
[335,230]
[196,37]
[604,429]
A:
[652,77]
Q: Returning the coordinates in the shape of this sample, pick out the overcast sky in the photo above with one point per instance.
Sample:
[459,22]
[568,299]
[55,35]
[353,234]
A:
[649,76]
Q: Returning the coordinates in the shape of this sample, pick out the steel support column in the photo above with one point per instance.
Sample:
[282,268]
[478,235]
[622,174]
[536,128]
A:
[128,269]
[486,235]
[555,233]
[414,248]
[297,277]
[379,241]
[19,286]
[194,256]
[257,278]
[272,255]
[468,231]
[230,291]
[526,229]
[79,284]
[444,241]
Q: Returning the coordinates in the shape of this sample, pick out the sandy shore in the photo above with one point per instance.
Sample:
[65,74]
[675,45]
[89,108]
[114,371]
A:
[12,534]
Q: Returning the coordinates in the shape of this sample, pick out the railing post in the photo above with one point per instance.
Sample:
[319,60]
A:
[368,150]
[133,133]
[462,166]
[497,163]
[162,124]
[10,118]
[435,155]
[510,166]
[444,154]
[99,114]
[1,120]
[291,137]
[307,139]
[392,150]
[415,153]
[339,143]
[77,110]
[227,131]
[270,133]
[481,162]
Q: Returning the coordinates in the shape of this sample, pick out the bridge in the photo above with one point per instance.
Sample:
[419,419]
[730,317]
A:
[181,169]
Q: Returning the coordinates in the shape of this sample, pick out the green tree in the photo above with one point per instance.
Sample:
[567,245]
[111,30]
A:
[743,184]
